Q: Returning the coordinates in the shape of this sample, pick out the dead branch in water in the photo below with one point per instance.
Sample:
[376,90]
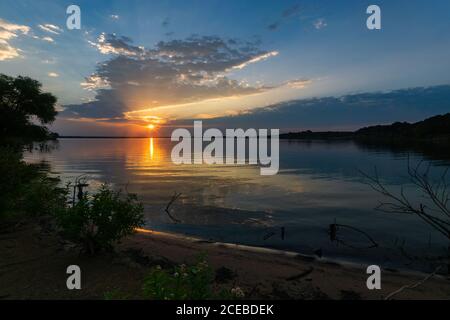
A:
[437,215]
[80,183]
[268,235]
[172,200]
[333,229]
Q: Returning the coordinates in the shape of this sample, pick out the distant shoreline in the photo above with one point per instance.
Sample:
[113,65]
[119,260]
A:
[107,137]
[436,128]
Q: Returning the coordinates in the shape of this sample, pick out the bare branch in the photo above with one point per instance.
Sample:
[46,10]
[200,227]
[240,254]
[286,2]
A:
[438,194]
[172,200]
[333,229]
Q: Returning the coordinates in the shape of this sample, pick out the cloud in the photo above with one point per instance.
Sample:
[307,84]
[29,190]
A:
[291,11]
[166,22]
[320,24]
[273,26]
[7,51]
[114,16]
[288,13]
[172,72]
[50,28]
[49,61]
[261,57]
[9,31]
[95,82]
[298,83]
[112,44]
[347,112]
[48,39]
[53,75]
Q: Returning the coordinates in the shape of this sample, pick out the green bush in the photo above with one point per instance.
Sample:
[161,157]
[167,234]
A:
[98,221]
[186,282]
[42,197]
[13,173]
[25,190]
[181,282]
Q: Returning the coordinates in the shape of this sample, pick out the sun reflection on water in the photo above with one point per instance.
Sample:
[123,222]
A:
[151,148]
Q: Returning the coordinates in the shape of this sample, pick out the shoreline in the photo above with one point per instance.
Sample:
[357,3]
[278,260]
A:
[33,262]
[283,253]
[295,275]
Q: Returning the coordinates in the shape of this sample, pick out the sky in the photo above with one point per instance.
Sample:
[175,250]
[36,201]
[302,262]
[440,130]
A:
[135,64]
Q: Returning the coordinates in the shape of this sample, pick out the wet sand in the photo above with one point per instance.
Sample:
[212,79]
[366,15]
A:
[33,264]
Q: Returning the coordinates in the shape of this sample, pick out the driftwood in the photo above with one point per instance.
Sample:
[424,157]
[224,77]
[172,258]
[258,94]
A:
[333,230]
[301,275]
[414,285]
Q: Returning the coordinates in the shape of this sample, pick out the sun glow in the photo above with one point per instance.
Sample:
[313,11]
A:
[151,126]
[152,150]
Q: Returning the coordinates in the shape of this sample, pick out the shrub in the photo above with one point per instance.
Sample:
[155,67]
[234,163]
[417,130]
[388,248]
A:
[179,283]
[42,197]
[98,221]
[183,282]
[25,190]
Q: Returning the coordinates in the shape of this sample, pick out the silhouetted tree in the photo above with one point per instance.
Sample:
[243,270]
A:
[436,213]
[24,108]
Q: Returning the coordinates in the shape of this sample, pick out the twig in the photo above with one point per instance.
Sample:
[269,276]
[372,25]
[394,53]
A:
[174,198]
[268,235]
[300,275]
[333,236]
[414,285]
[438,193]
[78,184]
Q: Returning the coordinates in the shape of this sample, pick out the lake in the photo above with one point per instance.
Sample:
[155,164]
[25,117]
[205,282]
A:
[319,183]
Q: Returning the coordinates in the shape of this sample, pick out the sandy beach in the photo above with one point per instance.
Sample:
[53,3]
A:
[33,263]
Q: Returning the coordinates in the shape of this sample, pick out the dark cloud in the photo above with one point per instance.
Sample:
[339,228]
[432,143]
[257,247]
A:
[288,13]
[173,72]
[166,22]
[273,26]
[111,43]
[346,112]
[291,11]
[106,106]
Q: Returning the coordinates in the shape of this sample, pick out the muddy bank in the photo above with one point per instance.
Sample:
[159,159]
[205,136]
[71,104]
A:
[33,262]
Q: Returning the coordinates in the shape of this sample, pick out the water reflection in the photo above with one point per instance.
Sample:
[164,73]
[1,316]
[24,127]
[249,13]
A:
[318,184]
[151,149]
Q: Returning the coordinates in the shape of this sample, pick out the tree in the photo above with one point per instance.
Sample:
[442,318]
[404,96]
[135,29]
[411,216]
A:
[436,212]
[24,108]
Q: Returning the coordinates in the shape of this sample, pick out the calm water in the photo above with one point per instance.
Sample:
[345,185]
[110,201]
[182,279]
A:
[318,184]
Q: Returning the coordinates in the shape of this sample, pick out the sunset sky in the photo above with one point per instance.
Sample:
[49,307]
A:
[164,63]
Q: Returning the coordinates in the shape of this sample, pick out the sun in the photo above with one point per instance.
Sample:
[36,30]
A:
[151,126]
